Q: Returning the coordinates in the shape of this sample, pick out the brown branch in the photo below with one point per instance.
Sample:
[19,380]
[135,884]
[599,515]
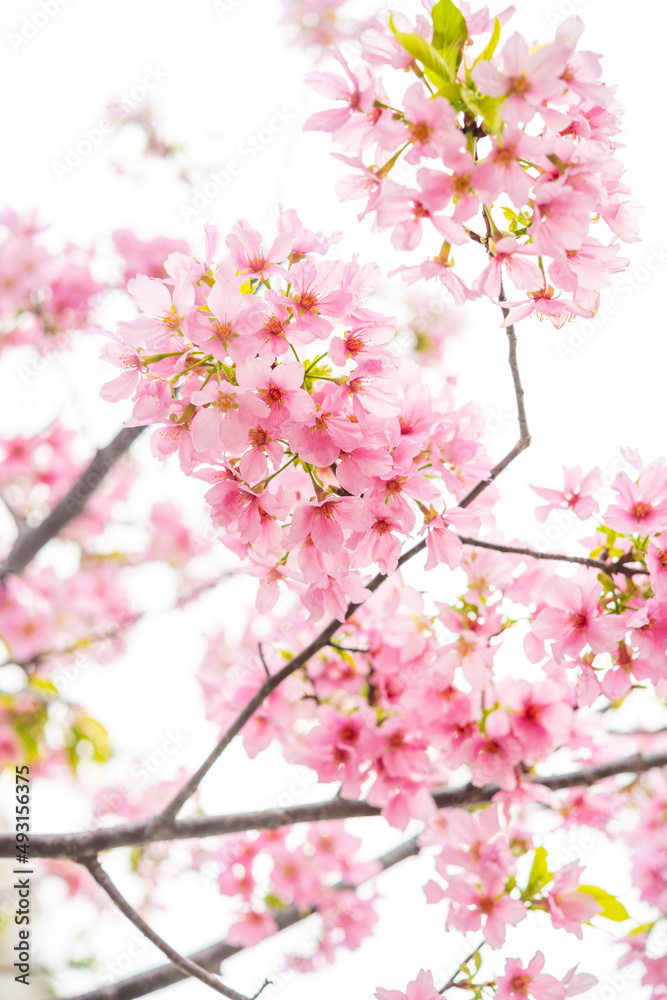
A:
[211,957]
[165,819]
[77,846]
[28,544]
[183,964]
[454,979]
[609,568]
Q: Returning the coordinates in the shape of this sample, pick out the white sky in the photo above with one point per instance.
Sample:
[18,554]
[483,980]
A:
[226,79]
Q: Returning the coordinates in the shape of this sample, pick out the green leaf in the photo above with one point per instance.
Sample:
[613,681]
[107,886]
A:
[452,91]
[611,908]
[539,874]
[487,107]
[434,65]
[316,372]
[487,53]
[450,33]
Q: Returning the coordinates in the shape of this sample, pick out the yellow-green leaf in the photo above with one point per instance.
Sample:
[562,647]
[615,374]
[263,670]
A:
[611,908]
[539,874]
[450,33]
[434,65]
[487,53]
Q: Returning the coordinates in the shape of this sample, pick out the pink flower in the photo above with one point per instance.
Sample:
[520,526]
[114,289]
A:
[507,253]
[573,620]
[279,387]
[439,188]
[643,505]
[442,543]
[131,362]
[253,465]
[578,494]
[319,439]
[331,595]
[248,255]
[225,417]
[568,907]
[495,753]
[501,171]
[421,988]
[231,329]
[252,513]
[527,79]
[430,123]
[315,291]
[379,543]
[473,903]
[161,314]
[252,928]
[656,563]
[649,634]
[325,522]
[358,468]
[336,748]
[540,719]
[545,305]
[403,210]
[578,982]
[519,982]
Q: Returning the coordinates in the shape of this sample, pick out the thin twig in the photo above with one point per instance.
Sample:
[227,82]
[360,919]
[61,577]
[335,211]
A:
[185,965]
[452,982]
[347,649]
[608,568]
[266,669]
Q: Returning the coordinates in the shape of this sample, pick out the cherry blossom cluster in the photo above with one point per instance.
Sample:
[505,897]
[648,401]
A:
[271,377]
[44,297]
[498,143]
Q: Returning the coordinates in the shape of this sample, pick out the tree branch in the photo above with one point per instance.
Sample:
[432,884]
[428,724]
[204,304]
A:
[183,964]
[77,846]
[28,544]
[211,957]
[608,568]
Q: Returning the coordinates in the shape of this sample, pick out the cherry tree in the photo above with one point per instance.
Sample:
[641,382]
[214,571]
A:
[334,452]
